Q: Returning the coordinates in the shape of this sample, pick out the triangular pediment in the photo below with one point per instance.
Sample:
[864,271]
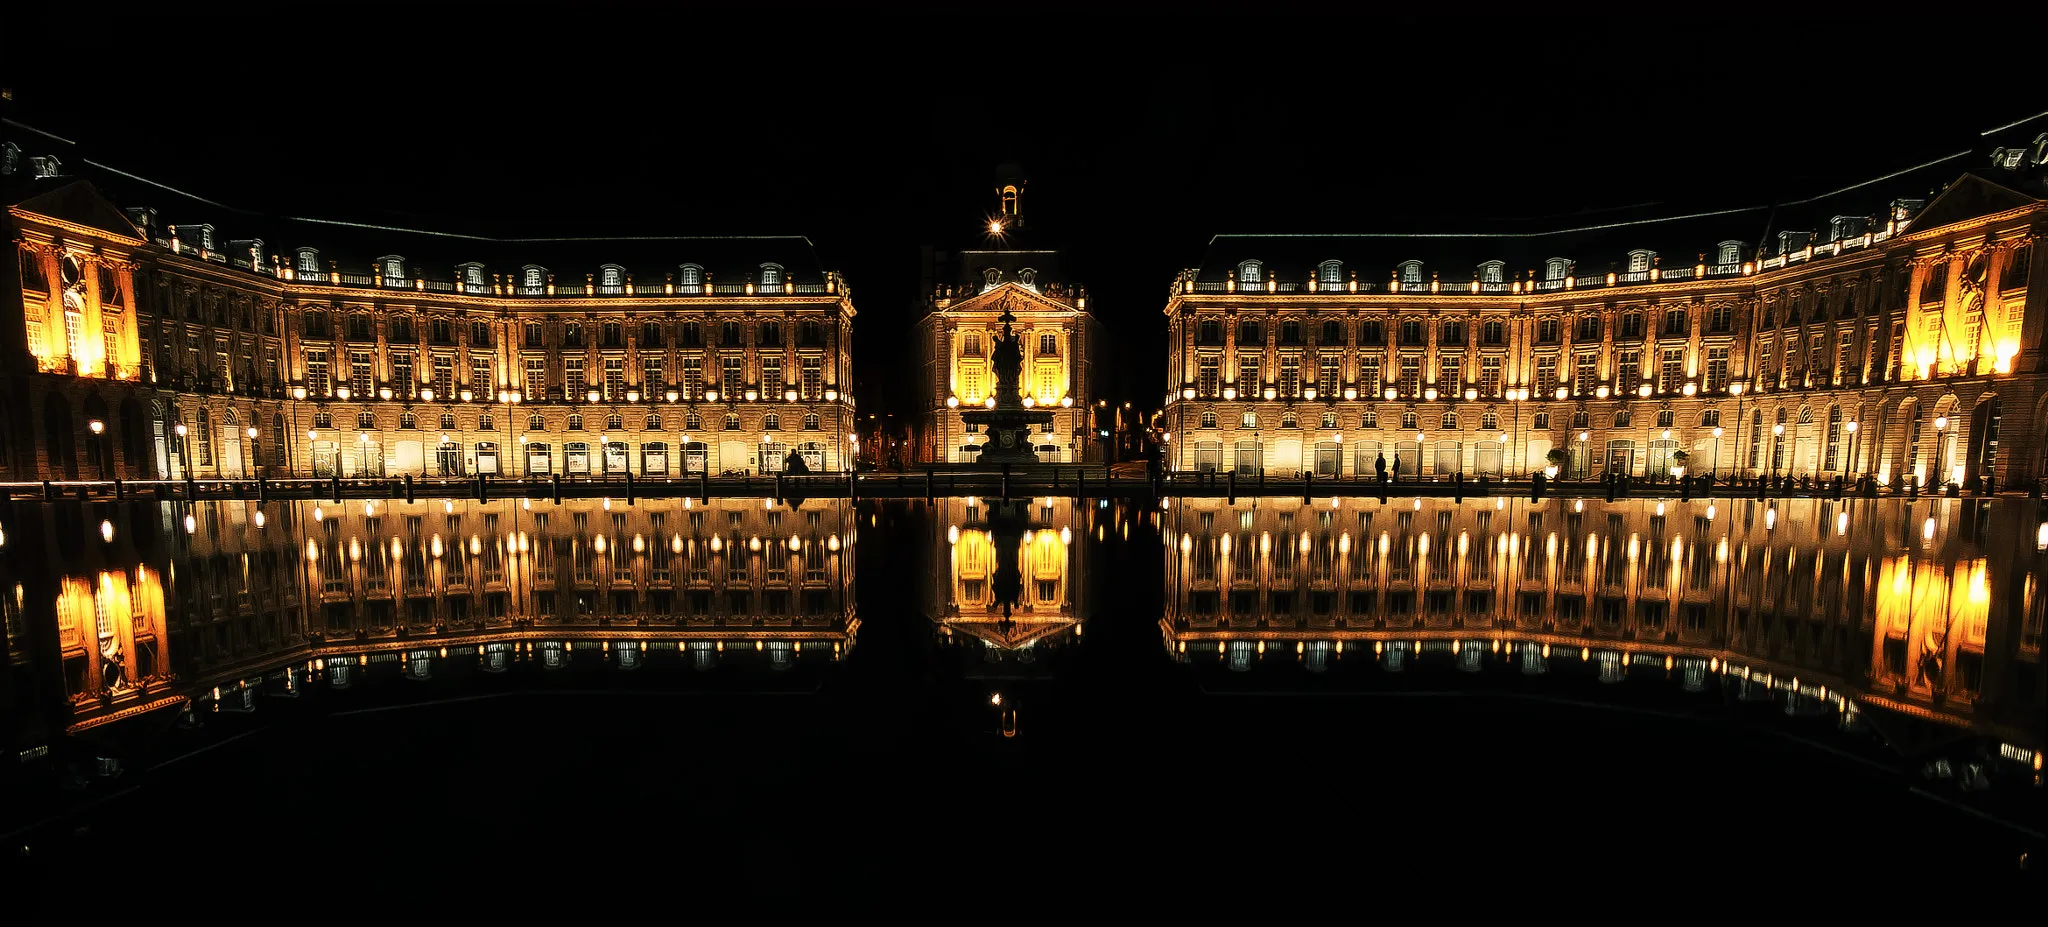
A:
[78,203]
[1970,197]
[1014,297]
[1022,631]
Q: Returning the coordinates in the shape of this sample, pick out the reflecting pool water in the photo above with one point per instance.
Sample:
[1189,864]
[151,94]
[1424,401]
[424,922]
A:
[191,672]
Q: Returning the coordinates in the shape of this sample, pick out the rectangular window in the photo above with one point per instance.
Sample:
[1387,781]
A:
[1369,376]
[1628,370]
[444,376]
[1248,381]
[1763,365]
[693,377]
[614,379]
[1717,369]
[732,376]
[316,373]
[572,379]
[1489,375]
[1546,331]
[533,335]
[1411,375]
[1844,360]
[536,377]
[1546,376]
[1207,374]
[1048,345]
[480,378]
[813,377]
[1673,377]
[652,377]
[1585,370]
[771,378]
[360,373]
[1450,375]
[1329,370]
[1290,376]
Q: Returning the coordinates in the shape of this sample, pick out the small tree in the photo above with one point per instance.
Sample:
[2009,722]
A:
[1556,457]
[1680,457]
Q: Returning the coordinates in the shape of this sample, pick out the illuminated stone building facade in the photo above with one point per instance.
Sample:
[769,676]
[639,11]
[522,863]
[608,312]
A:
[966,293]
[1893,338]
[122,609]
[1931,608]
[378,352]
[975,597]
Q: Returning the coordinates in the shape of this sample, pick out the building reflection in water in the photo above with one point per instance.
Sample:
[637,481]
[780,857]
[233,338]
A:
[122,609]
[1932,609]
[1005,577]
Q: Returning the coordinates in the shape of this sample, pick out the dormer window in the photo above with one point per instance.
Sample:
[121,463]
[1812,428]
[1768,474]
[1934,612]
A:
[771,275]
[198,236]
[690,275]
[1028,277]
[1251,272]
[1330,273]
[1490,271]
[1639,261]
[1556,268]
[394,267]
[309,261]
[473,275]
[611,275]
[1731,252]
[533,277]
[990,277]
[1411,272]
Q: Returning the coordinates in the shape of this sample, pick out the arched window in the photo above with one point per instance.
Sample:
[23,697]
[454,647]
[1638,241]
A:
[1251,272]
[693,421]
[771,275]
[1329,420]
[365,420]
[1556,268]
[1371,419]
[448,420]
[575,421]
[771,422]
[614,420]
[611,275]
[533,278]
[1542,421]
[1287,420]
[394,267]
[1639,260]
[1490,272]
[309,261]
[1450,420]
[1623,419]
[1489,420]
[1731,252]
[1248,420]
[1710,418]
[690,275]
[1580,419]
[485,422]
[810,421]
[653,421]
[1408,421]
[1208,420]
[1756,437]
[1805,415]
[1330,273]
[990,277]
[1028,277]
[732,422]
[536,422]
[1663,418]
[473,275]
[408,420]
[1834,438]
[1781,415]
[1411,272]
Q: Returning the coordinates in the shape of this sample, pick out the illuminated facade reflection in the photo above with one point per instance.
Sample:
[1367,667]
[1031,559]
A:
[117,610]
[1006,576]
[1928,609]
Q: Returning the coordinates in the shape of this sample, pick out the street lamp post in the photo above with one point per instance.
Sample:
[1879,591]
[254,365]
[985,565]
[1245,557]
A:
[1736,389]
[99,452]
[249,452]
[184,451]
[1940,439]
[1853,448]
[1717,452]
[1777,448]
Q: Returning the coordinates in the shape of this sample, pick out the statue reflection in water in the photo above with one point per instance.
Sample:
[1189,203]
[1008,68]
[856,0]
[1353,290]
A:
[1001,591]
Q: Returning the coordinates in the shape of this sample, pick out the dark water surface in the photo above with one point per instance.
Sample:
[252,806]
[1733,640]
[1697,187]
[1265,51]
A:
[502,707]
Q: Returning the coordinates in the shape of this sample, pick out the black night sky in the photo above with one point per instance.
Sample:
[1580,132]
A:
[876,132]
